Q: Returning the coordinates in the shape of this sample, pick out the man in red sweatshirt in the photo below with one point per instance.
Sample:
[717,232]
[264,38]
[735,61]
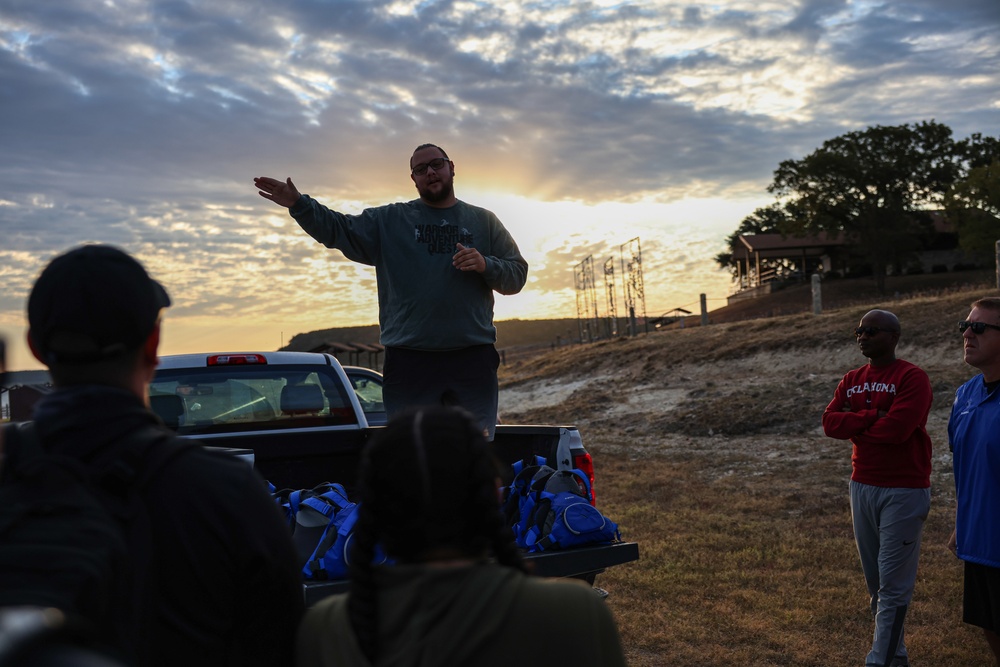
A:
[882,409]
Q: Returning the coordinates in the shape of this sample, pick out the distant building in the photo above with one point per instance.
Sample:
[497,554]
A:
[763,260]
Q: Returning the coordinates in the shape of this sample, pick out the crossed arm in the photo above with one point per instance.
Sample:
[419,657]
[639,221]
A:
[878,426]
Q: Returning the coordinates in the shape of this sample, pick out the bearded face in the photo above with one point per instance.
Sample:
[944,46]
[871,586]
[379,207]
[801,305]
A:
[438,190]
[433,175]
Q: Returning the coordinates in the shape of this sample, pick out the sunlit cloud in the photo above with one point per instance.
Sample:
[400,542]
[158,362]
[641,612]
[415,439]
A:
[581,124]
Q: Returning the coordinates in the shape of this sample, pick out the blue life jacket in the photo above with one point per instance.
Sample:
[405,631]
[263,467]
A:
[559,515]
[322,521]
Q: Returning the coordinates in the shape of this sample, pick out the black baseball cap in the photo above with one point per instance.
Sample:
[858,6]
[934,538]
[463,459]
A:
[92,303]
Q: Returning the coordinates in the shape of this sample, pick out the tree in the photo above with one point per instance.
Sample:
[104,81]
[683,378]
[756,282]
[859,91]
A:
[973,203]
[979,151]
[875,186]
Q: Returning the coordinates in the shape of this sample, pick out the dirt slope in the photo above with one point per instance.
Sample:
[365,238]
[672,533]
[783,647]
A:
[772,375]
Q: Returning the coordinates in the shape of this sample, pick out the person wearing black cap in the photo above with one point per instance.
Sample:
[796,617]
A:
[217,570]
[93,313]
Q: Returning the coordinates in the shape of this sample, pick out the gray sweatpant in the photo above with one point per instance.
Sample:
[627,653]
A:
[888,523]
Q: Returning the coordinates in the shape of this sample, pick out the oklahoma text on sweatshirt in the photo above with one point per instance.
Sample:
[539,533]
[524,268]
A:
[889,451]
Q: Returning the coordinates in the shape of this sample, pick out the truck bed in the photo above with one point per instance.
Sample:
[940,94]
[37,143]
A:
[298,419]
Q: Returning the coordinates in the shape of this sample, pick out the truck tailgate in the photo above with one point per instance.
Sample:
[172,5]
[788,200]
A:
[569,563]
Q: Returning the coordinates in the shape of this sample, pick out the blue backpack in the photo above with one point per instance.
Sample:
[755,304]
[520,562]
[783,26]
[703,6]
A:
[558,515]
[529,476]
[322,521]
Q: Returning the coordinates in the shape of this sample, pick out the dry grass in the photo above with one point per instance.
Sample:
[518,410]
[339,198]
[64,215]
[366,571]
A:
[710,454]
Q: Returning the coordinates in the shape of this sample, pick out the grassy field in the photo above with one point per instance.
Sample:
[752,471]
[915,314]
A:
[711,455]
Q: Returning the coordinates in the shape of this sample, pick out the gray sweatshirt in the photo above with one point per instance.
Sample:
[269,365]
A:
[424,302]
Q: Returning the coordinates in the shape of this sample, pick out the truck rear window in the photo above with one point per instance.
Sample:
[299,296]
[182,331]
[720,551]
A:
[222,399]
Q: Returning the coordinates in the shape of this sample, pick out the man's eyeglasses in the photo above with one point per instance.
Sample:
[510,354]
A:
[436,164]
[978,328]
[871,331]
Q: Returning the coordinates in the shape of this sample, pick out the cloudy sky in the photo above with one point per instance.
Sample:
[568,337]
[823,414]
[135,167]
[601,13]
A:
[583,125]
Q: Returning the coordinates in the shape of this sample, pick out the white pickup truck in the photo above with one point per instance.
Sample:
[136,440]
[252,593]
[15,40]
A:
[302,420]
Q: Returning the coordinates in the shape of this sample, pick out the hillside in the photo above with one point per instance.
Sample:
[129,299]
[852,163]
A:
[712,457]
[770,374]
[510,334]
[527,337]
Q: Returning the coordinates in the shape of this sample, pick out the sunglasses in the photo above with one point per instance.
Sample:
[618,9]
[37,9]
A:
[978,328]
[871,331]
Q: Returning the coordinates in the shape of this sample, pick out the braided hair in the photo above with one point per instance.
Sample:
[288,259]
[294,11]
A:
[426,482]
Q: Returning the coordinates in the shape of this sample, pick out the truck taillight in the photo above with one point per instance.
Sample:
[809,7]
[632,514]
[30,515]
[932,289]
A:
[236,359]
[585,463]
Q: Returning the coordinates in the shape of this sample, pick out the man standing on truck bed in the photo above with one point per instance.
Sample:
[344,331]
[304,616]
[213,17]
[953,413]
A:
[437,262]
[206,573]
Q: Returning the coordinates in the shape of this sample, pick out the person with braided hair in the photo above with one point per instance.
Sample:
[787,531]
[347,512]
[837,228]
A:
[458,592]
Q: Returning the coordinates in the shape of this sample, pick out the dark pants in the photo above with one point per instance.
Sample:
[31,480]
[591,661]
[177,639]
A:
[466,377]
[981,603]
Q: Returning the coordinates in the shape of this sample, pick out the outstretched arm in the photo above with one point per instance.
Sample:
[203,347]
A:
[282,193]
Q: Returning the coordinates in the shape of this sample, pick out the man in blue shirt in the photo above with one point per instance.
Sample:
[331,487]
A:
[974,434]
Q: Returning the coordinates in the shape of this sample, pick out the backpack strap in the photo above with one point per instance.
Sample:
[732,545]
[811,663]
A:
[332,493]
[326,505]
[326,499]
[294,500]
[139,459]
[527,461]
